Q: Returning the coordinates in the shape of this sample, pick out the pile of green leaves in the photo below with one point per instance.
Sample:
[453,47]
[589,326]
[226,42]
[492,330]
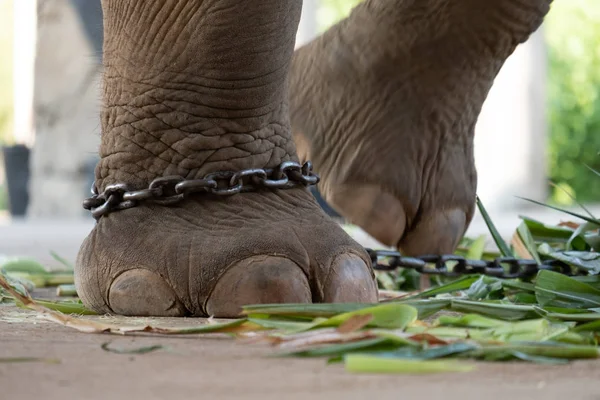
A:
[551,318]
[554,319]
[575,244]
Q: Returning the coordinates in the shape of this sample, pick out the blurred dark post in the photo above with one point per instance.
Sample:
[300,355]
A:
[90,14]
[16,167]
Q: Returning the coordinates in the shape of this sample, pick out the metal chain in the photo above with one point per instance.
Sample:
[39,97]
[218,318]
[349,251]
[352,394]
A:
[502,267]
[170,190]
[174,189]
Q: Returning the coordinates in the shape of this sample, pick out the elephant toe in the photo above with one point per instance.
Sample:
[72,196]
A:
[436,233]
[258,280]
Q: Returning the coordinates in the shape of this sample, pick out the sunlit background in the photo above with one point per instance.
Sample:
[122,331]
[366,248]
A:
[536,136]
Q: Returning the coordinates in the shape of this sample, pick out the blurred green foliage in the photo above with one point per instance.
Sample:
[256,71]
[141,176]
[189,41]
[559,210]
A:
[331,11]
[573,36]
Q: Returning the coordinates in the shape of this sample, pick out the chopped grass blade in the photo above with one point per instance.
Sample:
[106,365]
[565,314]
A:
[427,353]
[462,283]
[361,363]
[11,360]
[580,216]
[426,307]
[476,249]
[508,312]
[66,290]
[502,246]
[551,350]
[62,260]
[304,310]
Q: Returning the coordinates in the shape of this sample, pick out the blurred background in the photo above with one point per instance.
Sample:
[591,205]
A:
[536,134]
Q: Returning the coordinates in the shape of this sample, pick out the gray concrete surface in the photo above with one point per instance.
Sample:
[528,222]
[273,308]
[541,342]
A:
[195,367]
[38,237]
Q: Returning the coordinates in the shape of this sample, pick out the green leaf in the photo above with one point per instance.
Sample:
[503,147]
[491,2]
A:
[315,310]
[543,232]
[385,280]
[426,307]
[551,350]
[65,307]
[137,350]
[387,315]
[577,317]
[66,290]
[502,246]
[510,355]
[555,289]
[581,232]
[336,350]
[584,260]
[485,287]
[429,353]
[471,320]
[23,265]
[590,326]
[221,327]
[61,260]
[442,332]
[11,360]
[362,363]
[476,249]
[462,283]
[538,330]
[508,312]
[285,326]
[523,298]
[514,284]
[580,216]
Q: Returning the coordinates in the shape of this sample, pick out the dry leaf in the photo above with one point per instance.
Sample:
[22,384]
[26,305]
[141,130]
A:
[520,247]
[88,326]
[324,336]
[427,337]
[355,323]
[569,224]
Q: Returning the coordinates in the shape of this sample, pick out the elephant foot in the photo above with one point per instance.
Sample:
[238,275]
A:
[191,88]
[209,257]
[385,105]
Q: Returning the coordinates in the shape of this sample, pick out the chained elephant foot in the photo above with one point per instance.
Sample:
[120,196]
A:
[192,89]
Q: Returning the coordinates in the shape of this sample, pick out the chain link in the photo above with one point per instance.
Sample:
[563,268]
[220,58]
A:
[171,190]
[502,267]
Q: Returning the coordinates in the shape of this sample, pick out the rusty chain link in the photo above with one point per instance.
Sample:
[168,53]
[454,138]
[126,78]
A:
[502,267]
[170,190]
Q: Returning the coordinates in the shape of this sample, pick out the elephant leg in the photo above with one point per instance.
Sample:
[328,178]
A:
[385,104]
[191,88]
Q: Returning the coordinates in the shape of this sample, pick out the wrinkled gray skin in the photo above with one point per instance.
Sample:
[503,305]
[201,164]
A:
[384,104]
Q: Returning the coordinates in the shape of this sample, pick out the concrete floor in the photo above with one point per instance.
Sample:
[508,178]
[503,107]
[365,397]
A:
[36,238]
[193,367]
